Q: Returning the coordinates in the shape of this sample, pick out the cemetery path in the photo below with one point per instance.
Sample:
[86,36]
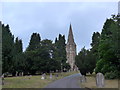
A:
[72,81]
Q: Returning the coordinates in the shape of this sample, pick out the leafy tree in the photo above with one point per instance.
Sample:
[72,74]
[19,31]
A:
[90,61]
[85,61]
[108,48]
[95,45]
[80,61]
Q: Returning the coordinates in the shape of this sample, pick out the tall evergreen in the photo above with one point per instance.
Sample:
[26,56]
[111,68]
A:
[7,48]
[31,53]
[18,60]
[34,41]
[60,53]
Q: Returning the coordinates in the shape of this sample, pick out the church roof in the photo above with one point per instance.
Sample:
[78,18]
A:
[70,36]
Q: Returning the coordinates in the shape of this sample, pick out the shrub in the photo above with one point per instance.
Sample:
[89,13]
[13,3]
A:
[111,75]
[99,66]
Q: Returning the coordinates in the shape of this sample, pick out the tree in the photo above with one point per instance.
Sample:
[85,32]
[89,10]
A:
[80,61]
[31,54]
[85,61]
[18,59]
[34,42]
[95,45]
[108,48]
[7,48]
[59,53]
[90,61]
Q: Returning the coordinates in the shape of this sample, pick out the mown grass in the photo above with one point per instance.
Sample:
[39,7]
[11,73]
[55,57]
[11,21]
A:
[33,81]
[91,82]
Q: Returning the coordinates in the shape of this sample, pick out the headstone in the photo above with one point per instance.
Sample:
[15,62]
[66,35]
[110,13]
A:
[43,76]
[16,74]
[82,79]
[22,73]
[56,70]
[50,75]
[100,81]
[30,76]
[2,79]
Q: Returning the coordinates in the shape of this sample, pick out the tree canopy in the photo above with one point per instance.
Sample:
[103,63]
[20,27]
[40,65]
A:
[104,54]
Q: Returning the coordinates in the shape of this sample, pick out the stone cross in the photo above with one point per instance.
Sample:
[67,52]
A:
[100,81]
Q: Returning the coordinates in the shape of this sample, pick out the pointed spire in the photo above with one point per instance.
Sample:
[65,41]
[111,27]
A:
[70,36]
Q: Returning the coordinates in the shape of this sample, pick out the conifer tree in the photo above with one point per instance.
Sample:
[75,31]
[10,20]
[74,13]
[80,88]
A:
[7,48]
[34,42]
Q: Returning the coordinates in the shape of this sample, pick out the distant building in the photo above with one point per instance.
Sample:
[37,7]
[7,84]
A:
[71,50]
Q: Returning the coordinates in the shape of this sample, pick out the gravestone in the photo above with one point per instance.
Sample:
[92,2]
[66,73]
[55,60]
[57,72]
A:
[43,76]
[56,70]
[100,81]
[82,79]
[50,75]
[30,76]
[22,74]
[16,74]
[2,79]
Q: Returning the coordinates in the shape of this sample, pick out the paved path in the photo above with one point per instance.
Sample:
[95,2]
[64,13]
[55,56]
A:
[72,81]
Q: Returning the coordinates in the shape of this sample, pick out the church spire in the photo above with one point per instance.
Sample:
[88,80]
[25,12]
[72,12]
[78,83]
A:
[70,36]
[71,49]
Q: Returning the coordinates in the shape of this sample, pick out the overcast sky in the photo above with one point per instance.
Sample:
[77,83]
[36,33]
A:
[51,18]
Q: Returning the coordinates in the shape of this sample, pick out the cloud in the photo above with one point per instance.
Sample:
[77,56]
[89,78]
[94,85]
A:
[50,19]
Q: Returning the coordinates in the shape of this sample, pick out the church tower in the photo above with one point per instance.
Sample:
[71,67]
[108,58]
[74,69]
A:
[71,50]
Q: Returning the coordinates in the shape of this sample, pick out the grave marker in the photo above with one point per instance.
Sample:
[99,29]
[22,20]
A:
[100,81]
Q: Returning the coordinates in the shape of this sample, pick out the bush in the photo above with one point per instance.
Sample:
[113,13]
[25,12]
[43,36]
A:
[111,75]
[99,66]
[106,68]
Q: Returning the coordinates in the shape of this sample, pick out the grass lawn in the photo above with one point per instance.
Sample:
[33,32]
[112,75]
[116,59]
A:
[32,82]
[91,82]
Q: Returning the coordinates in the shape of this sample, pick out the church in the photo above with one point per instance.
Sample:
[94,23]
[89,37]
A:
[71,50]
